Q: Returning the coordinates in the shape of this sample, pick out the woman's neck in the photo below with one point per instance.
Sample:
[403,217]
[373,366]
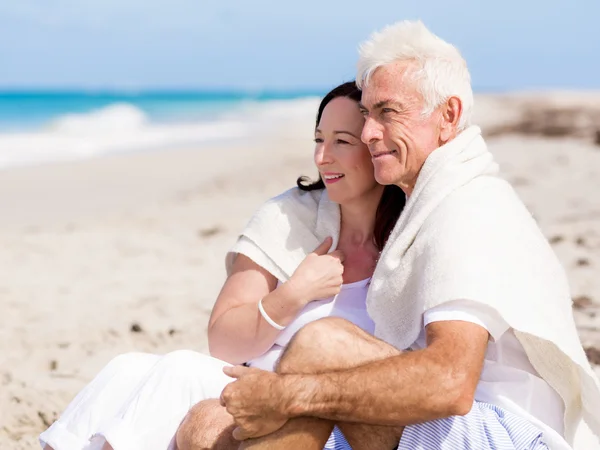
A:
[358,219]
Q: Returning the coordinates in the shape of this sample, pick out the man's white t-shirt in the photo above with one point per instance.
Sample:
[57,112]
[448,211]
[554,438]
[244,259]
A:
[508,379]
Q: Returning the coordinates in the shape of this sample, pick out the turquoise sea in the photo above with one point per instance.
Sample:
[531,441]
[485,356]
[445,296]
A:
[46,126]
[23,110]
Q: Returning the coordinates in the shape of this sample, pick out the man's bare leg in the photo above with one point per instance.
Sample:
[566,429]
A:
[206,426]
[306,433]
[322,346]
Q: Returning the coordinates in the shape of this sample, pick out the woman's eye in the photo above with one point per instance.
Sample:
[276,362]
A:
[318,140]
[341,141]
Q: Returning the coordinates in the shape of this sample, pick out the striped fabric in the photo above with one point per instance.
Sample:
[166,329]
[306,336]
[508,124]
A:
[486,427]
[337,441]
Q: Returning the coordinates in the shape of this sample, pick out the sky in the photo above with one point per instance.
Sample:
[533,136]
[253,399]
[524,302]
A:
[284,44]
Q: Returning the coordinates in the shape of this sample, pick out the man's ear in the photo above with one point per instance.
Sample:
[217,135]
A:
[451,114]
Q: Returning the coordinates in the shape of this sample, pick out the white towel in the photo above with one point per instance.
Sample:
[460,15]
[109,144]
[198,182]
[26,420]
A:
[464,234]
[286,229]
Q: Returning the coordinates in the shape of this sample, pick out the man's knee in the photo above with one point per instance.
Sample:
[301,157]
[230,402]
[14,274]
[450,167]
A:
[206,426]
[190,432]
[326,334]
[311,345]
[329,344]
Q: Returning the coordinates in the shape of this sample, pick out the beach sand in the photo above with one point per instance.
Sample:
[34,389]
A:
[126,253]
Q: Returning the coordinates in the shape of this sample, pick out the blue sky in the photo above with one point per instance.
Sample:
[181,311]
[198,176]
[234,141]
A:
[195,44]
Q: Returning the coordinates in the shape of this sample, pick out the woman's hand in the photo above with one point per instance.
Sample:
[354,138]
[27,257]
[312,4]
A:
[237,332]
[319,276]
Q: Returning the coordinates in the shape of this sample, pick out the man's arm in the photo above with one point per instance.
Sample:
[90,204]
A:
[438,381]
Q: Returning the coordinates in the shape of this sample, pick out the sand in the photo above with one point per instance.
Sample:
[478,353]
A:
[125,253]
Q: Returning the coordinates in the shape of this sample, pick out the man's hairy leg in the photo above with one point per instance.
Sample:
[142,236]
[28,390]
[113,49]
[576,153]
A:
[322,346]
[206,426]
[306,433]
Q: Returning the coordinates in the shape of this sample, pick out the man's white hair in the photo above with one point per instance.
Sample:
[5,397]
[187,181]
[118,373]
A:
[441,71]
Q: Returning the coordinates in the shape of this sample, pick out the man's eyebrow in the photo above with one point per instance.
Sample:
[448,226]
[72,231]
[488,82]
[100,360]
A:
[387,102]
[381,104]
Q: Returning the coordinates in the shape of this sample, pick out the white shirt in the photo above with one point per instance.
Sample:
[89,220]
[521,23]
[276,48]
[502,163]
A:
[508,379]
[349,304]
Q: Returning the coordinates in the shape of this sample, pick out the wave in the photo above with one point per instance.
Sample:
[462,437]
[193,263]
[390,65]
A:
[123,127]
[120,117]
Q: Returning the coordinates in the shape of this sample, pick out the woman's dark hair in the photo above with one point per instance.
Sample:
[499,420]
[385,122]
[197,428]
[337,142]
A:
[393,198]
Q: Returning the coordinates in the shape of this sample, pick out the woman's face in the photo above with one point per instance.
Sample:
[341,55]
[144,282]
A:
[344,162]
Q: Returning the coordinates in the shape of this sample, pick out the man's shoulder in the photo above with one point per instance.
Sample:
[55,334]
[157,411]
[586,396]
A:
[482,200]
[483,210]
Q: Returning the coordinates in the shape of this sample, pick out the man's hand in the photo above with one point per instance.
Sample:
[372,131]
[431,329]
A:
[255,402]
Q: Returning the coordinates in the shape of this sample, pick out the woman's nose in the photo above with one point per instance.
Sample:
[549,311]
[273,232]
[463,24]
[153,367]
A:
[323,154]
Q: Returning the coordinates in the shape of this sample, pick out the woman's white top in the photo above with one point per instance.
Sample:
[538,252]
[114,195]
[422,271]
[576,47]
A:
[349,304]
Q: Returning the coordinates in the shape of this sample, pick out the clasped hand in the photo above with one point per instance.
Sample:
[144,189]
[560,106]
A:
[254,400]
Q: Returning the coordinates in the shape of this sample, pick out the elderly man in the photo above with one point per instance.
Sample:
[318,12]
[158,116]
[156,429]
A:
[475,342]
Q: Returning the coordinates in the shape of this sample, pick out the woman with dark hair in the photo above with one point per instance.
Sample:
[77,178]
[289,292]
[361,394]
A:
[274,287]
[392,200]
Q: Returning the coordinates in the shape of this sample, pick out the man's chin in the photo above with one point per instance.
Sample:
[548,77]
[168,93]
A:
[385,178]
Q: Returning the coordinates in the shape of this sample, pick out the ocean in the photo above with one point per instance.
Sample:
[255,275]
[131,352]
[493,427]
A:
[40,127]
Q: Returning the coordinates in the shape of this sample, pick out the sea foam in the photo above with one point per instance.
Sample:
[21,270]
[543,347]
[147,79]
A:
[123,127]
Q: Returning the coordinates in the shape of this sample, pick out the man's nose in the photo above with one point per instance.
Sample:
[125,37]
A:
[371,131]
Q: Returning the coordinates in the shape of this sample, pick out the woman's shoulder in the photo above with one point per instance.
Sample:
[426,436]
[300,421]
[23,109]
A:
[293,200]
[297,195]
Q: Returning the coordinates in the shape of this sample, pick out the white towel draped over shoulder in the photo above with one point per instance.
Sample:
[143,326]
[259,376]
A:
[286,229]
[464,234]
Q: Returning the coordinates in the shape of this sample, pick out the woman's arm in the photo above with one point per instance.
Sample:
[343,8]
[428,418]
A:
[237,332]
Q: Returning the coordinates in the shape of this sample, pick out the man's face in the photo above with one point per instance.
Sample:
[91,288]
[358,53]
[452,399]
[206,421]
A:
[399,138]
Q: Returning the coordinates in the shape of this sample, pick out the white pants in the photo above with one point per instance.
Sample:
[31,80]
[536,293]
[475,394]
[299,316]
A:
[137,402]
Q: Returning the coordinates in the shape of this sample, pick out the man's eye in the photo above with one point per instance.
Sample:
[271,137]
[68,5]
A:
[387,110]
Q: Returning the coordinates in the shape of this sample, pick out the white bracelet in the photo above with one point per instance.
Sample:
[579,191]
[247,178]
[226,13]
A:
[267,318]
